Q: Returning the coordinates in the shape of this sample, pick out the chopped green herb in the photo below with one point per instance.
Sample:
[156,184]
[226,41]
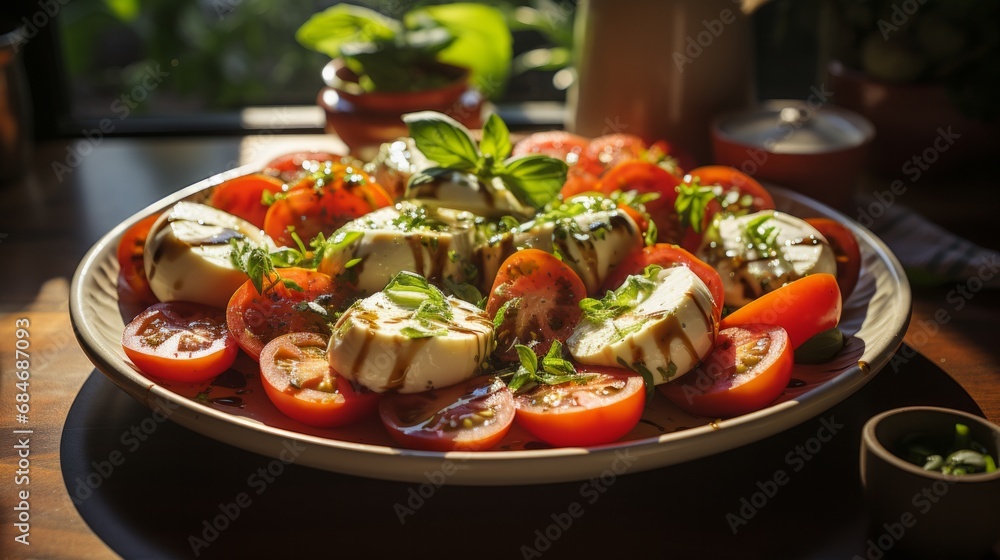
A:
[647,376]
[626,297]
[552,369]
[256,263]
[430,308]
[761,236]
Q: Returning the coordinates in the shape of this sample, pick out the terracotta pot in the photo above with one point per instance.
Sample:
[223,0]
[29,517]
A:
[363,120]
[912,121]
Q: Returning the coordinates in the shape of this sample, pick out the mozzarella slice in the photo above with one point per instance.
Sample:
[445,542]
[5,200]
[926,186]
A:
[668,332]
[464,191]
[748,272]
[591,239]
[186,256]
[436,245]
[370,346]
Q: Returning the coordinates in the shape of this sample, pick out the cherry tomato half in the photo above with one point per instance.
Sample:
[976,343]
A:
[545,296]
[180,341]
[748,368]
[132,271]
[256,319]
[244,196]
[298,379]
[473,415]
[845,247]
[646,177]
[600,410]
[322,203]
[803,307]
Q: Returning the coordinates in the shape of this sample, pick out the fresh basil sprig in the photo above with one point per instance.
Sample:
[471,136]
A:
[691,204]
[533,179]
[552,369]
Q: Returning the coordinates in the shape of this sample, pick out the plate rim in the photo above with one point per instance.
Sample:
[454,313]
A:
[474,468]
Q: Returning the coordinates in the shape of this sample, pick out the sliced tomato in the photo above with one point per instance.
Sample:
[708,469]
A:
[646,177]
[748,368]
[322,203]
[180,341]
[132,272]
[244,196]
[474,415]
[556,143]
[542,295]
[294,165]
[298,379]
[256,319]
[667,255]
[601,410]
[845,247]
[803,307]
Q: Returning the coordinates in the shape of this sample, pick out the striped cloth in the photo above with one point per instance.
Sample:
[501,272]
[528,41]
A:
[933,256]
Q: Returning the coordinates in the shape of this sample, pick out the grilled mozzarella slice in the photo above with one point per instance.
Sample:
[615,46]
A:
[444,188]
[435,245]
[760,252]
[668,328]
[382,346]
[590,233]
[187,254]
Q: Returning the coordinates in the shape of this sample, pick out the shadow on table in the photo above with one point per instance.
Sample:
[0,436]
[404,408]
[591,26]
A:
[152,489]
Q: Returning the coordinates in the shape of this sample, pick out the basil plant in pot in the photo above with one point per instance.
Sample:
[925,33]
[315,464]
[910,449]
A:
[447,58]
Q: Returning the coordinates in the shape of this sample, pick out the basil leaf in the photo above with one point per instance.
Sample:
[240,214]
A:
[330,30]
[442,139]
[534,179]
[496,139]
[482,40]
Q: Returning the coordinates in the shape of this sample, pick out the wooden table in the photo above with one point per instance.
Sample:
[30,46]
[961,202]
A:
[160,495]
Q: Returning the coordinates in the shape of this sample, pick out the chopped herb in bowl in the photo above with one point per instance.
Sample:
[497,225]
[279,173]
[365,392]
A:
[958,454]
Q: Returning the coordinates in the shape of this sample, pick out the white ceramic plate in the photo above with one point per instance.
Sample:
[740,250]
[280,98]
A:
[875,318]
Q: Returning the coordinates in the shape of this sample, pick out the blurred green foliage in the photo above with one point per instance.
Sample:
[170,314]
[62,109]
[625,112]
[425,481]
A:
[231,54]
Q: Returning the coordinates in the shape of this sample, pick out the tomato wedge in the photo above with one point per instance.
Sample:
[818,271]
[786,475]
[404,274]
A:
[474,415]
[131,270]
[601,410]
[667,255]
[646,177]
[748,368]
[607,151]
[244,196]
[256,319]
[322,203]
[298,379]
[542,297]
[180,341]
[803,307]
[845,247]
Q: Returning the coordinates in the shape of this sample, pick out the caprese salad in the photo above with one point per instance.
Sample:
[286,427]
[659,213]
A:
[454,286]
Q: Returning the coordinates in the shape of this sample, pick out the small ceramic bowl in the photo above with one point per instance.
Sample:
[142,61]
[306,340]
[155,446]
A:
[925,513]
